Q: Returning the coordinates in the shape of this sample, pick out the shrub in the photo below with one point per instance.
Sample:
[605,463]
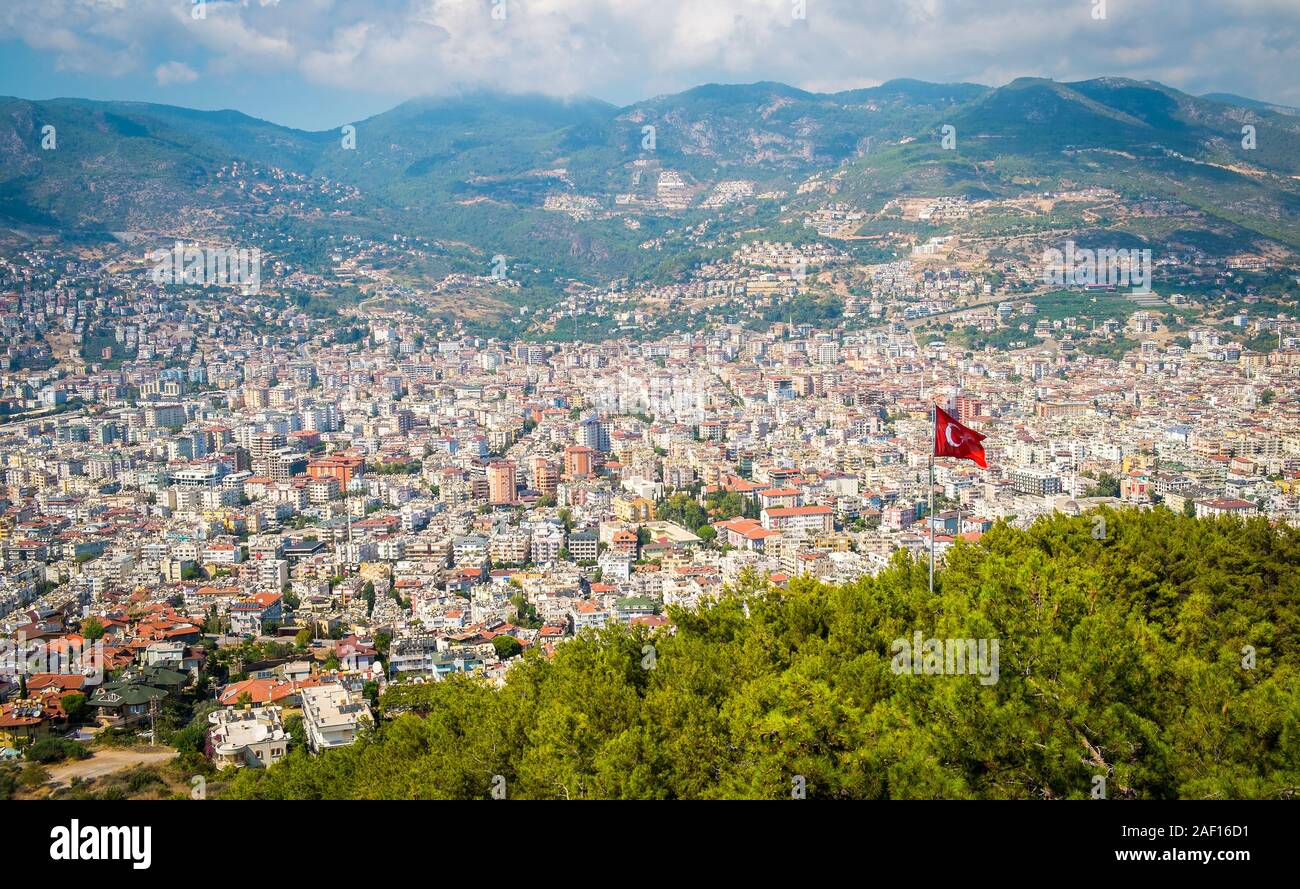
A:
[141,778]
[50,750]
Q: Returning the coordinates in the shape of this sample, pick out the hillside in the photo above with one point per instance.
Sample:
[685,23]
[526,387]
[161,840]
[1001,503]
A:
[477,170]
[1120,657]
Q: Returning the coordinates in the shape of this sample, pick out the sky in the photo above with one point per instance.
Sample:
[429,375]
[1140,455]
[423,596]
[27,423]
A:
[316,64]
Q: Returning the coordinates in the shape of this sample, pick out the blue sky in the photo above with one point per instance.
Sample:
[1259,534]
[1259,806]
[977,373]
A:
[318,63]
[284,97]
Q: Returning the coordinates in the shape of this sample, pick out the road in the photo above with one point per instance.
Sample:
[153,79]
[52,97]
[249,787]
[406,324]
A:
[106,762]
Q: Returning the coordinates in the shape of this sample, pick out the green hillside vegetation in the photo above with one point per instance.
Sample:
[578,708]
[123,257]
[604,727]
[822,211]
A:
[476,169]
[1137,137]
[1121,657]
[1002,339]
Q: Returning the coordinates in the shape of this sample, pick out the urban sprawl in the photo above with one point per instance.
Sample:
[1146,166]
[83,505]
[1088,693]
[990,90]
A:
[211,488]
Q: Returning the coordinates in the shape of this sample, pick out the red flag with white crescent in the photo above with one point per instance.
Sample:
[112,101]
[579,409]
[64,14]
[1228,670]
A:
[952,439]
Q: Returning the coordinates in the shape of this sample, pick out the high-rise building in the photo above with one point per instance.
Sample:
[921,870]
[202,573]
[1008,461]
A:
[546,477]
[502,484]
[578,461]
[262,444]
[968,408]
[594,433]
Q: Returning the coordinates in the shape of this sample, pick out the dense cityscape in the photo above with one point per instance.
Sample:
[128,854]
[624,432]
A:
[229,489]
[503,446]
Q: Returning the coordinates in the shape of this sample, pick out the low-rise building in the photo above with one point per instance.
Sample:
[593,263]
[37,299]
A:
[332,717]
[246,737]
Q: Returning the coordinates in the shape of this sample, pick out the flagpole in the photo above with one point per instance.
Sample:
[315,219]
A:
[955,489]
[934,425]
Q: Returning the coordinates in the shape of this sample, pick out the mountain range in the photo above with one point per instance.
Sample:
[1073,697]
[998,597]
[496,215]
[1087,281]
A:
[475,170]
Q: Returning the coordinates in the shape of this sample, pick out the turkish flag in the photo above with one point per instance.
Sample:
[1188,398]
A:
[952,439]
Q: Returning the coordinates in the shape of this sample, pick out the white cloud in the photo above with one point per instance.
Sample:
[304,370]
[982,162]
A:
[638,47]
[169,73]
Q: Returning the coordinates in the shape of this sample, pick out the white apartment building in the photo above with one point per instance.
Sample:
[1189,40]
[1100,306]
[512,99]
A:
[332,716]
[548,540]
[253,738]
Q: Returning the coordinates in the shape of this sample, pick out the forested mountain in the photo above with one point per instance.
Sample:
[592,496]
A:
[1162,657]
[477,169]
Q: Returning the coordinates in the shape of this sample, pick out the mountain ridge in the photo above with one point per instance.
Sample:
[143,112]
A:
[479,168]
[891,86]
